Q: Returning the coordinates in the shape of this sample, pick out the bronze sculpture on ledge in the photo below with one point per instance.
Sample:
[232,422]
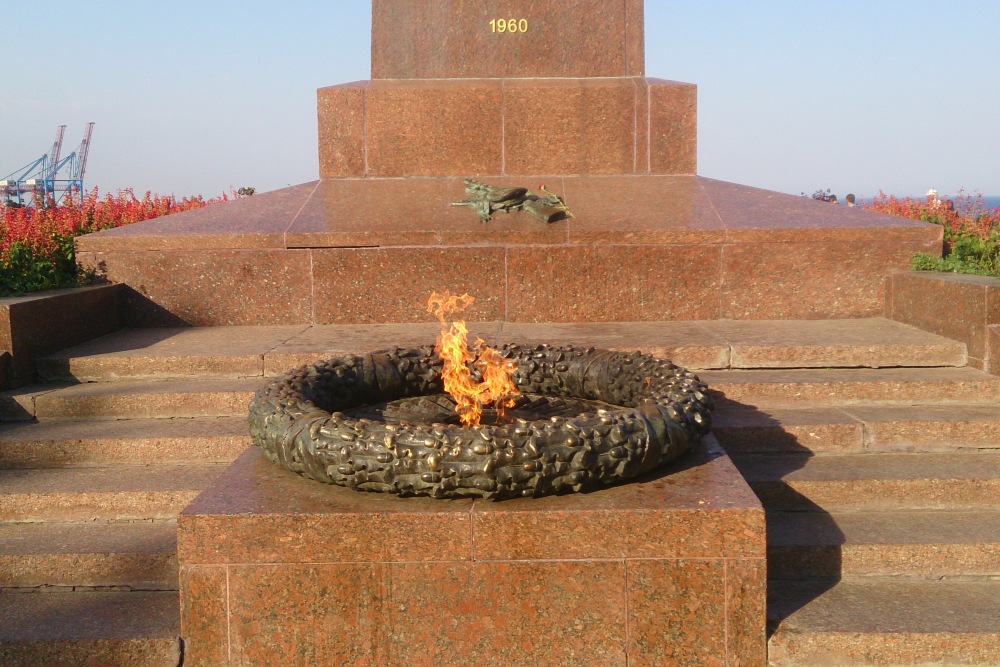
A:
[380,422]
[487,200]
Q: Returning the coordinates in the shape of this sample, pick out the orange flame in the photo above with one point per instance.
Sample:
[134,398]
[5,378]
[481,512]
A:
[470,396]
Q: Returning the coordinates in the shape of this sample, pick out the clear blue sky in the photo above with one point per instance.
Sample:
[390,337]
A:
[198,96]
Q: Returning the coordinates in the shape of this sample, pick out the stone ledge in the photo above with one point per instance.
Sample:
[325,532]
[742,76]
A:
[43,322]
[962,307]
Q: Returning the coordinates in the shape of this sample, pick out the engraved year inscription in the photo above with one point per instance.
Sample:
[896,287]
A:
[508,25]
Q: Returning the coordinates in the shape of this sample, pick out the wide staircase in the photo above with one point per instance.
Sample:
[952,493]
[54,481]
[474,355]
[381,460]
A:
[870,443]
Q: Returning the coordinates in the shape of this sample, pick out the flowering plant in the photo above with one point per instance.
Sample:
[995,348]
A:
[36,243]
[971,230]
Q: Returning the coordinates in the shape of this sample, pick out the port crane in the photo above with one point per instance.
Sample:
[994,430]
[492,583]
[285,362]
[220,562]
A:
[50,177]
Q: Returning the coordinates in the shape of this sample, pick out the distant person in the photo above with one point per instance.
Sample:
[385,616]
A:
[850,200]
[932,199]
[833,199]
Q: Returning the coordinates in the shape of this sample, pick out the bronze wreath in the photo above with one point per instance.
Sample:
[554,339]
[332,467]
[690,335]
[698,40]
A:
[656,412]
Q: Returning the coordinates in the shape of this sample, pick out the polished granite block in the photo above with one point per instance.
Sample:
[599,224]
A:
[792,284]
[632,125]
[35,324]
[677,612]
[209,287]
[509,613]
[650,247]
[371,285]
[641,209]
[613,283]
[647,210]
[544,120]
[632,521]
[341,115]
[961,307]
[746,610]
[204,616]
[553,38]
[309,614]
[992,362]
[672,127]
[325,575]
[255,222]
[414,212]
[440,128]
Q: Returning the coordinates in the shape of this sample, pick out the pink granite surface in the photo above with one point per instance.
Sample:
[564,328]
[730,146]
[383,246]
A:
[209,287]
[420,128]
[612,283]
[371,285]
[652,247]
[643,569]
[396,128]
[956,306]
[35,324]
[672,126]
[545,119]
[454,39]
[341,115]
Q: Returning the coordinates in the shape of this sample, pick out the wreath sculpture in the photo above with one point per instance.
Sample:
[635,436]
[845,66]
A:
[638,414]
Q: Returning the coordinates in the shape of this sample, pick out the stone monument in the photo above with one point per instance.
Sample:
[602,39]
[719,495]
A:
[670,569]
[516,93]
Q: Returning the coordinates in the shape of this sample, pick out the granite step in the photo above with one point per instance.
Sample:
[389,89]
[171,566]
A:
[90,629]
[860,428]
[884,622]
[133,399]
[845,386]
[267,350]
[114,493]
[905,544]
[137,556]
[957,480]
[58,444]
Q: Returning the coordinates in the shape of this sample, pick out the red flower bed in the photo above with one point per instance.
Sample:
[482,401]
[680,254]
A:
[36,243]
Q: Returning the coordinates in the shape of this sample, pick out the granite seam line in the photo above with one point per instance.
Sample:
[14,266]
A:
[364,129]
[625,25]
[481,561]
[726,611]
[274,349]
[295,216]
[229,621]
[628,629]
[506,284]
[472,530]
[516,246]
[649,130]
[568,235]
[635,125]
[312,288]
[503,129]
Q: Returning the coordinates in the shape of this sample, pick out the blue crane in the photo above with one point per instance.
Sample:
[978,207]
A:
[40,181]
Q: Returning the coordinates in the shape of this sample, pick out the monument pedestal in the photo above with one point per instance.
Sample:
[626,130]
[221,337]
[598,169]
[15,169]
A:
[279,570]
[640,248]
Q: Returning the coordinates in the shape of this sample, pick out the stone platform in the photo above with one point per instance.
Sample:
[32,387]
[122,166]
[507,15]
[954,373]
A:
[276,569]
[640,248]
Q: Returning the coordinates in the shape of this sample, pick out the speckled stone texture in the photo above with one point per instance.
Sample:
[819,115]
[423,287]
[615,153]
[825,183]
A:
[639,248]
[35,324]
[633,572]
[624,125]
[412,39]
[956,306]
